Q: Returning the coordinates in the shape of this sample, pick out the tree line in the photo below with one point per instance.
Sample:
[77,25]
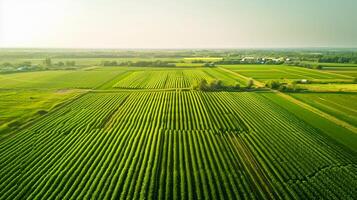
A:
[157,63]
[216,85]
[338,59]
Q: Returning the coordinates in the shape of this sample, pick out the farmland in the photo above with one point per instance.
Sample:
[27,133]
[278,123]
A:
[129,132]
[341,105]
[169,79]
[19,106]
[269,72]
[344,70]
[330,87]
[179,152]
[57,79]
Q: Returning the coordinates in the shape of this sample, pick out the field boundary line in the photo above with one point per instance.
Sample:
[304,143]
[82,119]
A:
[317,111]
[342,106]
[257,176]
[326,72]
[331,73]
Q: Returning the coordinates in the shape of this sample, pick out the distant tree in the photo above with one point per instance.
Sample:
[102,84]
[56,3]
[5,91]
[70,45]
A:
[282,88]
[27,63]
[201,85]
[290,87]
[70,63]
[318,67]
[47,62]
[209,64]
[237,86]
[7,64]
[110,63]
[269,62]
[215,84]
[105,63]
[273,84]
[294,86]
[60,64]
[250,83]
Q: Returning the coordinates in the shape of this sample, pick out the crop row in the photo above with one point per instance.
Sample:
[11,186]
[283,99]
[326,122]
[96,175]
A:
[173,78]
[173,145]
[288,149]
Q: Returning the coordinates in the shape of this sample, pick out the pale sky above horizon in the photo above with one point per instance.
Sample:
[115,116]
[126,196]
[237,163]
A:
[178,24]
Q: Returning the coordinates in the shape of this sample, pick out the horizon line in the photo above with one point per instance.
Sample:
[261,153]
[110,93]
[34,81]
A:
[181,48]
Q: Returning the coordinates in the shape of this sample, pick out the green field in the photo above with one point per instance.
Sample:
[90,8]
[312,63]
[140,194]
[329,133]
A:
[57,79]
[217,138]
[274,72]
[326,127]
[346,69]
[343,106]
[125,132]
[333,65]
[346,72]
[329,87]
[209,59]
[156,78]
[20,106]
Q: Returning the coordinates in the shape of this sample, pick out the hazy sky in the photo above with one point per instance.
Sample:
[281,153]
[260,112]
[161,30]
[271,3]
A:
[178,23]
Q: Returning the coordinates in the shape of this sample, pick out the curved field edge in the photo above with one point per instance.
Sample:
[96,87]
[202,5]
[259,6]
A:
[21,107]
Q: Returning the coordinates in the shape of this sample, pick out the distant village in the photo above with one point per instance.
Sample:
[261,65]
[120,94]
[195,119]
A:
[248,60]
[264,60]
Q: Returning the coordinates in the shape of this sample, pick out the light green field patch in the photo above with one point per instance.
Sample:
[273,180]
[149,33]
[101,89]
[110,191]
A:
[340,105]
[19,106]
[57,79]
[209,59]
[329,87]
[346,73]
[274,72]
